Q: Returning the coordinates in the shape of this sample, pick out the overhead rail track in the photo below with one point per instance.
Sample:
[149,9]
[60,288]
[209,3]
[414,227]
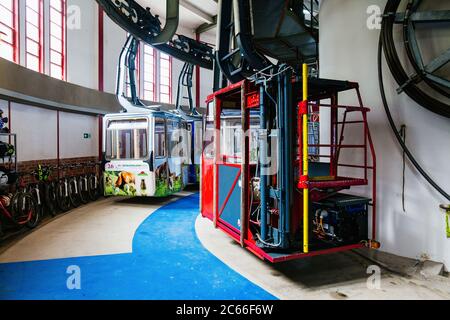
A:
[146,27]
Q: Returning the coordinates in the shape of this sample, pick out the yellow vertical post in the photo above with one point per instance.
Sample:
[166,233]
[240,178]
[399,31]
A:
[305,164]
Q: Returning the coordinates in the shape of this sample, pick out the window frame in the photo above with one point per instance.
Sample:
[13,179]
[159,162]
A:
[40,41]
[209,131]
[119,130]
[160,85]
[63,53]
[14,28]
[153,57]
[163,146]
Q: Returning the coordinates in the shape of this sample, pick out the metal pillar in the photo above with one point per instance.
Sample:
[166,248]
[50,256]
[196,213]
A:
[262,162]
[288,158]
[282,174]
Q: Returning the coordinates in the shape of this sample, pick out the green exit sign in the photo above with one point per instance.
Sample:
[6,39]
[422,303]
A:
[87,136]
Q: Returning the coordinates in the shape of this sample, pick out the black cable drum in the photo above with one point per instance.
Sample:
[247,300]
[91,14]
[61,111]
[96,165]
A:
[386,42]
[398,71]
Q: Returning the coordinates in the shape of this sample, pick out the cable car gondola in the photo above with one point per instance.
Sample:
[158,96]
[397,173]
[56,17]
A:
[145,148]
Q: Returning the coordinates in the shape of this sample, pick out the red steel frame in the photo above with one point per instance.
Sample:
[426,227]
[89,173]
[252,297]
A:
[101,50]
[338,144]
[335,146]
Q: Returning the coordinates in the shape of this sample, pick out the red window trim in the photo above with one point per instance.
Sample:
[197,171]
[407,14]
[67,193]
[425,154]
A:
[153,81]
[41,36]
[63,53]
[14,30]
[170,78]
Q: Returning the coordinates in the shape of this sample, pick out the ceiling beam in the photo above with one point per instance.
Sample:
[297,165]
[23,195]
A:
[196,11]
[206,26]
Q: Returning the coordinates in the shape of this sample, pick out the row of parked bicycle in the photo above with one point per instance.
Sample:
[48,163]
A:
[47,196]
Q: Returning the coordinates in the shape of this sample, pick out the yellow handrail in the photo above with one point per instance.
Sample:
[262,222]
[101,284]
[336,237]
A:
[305,163]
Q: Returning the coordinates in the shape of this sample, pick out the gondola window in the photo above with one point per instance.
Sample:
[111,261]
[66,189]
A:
[127,139]
[160,138]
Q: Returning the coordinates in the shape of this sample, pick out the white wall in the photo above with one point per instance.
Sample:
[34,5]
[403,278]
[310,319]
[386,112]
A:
[114,39]
[348,51]
[82,45]
[72,130]
[36,131]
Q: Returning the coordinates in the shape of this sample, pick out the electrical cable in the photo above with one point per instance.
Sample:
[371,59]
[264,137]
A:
[394,127]
[268,244]
[403,135]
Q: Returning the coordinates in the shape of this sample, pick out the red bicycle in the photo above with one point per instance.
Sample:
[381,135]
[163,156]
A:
[20,208]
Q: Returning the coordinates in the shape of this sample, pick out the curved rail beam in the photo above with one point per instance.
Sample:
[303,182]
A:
[172,21]
[146,27]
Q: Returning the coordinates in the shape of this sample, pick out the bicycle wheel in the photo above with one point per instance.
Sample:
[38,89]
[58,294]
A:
[24,210]
[94,193]
[50,198]
[83,187]
[101,185]
[62,196]
[36,192]
[74,192]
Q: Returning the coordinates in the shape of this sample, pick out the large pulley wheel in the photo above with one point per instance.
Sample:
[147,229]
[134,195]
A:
[429,83]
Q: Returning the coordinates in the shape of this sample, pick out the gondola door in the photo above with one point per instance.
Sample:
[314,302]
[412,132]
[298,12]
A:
[161,157]
[176,153]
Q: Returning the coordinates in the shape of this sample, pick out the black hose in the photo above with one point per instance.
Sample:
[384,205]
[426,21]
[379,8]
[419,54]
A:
[394,127]
[397,70]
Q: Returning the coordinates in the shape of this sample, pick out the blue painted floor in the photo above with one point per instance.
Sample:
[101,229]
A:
[168,263]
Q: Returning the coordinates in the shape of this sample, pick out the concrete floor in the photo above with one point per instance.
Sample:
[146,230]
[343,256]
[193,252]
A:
[338,276]
[167,261]
[108,227]
[102,228]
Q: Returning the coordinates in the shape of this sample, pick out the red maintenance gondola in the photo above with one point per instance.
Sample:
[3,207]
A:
[271,185]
